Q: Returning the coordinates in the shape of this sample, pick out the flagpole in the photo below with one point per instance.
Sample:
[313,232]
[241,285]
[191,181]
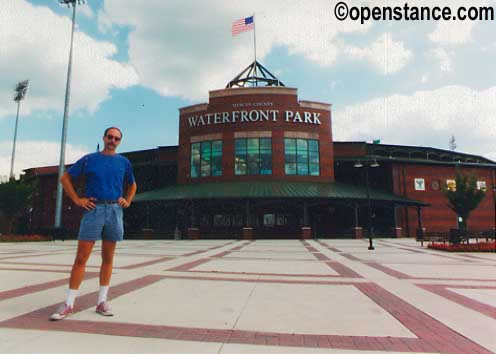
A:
[254,37]
[255,49]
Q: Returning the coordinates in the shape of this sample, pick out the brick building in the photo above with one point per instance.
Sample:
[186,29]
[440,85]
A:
[257,162]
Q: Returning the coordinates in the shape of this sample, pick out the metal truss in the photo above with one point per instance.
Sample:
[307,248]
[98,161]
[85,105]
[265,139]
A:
[254,75]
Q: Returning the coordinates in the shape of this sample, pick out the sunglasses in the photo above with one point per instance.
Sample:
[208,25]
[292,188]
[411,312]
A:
[113,137]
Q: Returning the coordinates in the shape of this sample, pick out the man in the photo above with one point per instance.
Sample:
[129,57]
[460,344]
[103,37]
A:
[105,175]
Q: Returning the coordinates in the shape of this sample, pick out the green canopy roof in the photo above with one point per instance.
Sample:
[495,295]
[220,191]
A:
[269,189]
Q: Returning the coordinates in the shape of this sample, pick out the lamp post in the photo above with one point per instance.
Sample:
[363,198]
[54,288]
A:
[21,90]
[367,164]
[58,205]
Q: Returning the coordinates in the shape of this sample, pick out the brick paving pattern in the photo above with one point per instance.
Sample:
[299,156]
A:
[256,295]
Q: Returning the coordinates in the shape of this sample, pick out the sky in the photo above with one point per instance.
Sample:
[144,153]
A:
[135,63]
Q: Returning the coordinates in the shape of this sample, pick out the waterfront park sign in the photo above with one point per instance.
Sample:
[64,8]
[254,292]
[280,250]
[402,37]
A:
[254,115]
[259,113]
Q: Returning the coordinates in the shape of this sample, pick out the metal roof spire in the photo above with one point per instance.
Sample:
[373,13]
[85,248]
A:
[254,75]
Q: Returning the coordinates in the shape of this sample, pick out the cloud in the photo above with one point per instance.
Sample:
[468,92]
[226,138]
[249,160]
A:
[387,55]
[86,11]
[455,32]
[425,118]
[34,44]
[446,32]
[452,33]
[35,154]
[185,48]
[444,59]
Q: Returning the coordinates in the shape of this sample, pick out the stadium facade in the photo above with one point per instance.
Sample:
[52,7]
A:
[257,162]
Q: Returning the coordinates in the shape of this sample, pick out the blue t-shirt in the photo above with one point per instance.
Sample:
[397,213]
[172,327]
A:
[105,175]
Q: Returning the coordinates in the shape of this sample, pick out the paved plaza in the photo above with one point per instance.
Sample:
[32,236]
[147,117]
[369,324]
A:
[264,296]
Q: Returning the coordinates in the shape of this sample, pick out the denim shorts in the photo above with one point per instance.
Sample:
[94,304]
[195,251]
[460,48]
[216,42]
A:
[104,222]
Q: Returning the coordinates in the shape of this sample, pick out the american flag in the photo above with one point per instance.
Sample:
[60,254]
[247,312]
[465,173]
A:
[245,24]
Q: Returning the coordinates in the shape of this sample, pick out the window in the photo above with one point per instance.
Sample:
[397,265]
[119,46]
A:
[282,220]
[206,159]
[222,220]
[269,219]
[253,156]
[301,157]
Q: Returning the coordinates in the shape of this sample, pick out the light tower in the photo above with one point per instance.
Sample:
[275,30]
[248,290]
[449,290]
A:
[58,205]
[20,92]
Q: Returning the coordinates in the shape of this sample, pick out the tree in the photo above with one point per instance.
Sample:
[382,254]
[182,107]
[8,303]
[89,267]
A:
[464,197]
[14,199]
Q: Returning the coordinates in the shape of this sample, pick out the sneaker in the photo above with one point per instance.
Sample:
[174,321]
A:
[103,309]
[62,311]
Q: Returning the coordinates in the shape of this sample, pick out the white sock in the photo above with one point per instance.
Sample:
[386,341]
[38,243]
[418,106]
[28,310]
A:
[71,297]
[102,295]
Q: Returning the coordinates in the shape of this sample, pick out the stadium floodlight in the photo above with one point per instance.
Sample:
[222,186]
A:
[72,2]
[58,205]
[20,93]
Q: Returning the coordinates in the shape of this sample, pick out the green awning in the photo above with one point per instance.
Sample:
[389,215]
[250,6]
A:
[269,189]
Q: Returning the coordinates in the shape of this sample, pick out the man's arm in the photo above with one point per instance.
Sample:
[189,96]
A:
[86,203]
[131,191]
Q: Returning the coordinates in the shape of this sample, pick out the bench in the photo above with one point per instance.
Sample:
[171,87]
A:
[454,236]
[463,236]
[485,234]
[432,236]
